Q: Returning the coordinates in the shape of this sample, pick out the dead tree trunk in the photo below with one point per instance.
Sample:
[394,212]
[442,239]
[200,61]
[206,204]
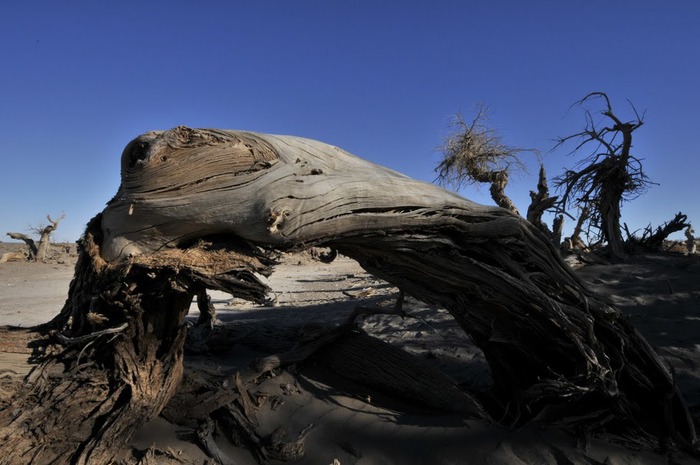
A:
[38,252]
[196,208]
[574,242]
[540,202]
[690,240]
[498,191]
[45,237]
[113,356]
[31,245]
[655,240]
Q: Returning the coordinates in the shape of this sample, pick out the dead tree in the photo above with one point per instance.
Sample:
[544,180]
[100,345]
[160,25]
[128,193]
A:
[654,239]
[574,241]
[540,202]
[475,153]
[205,209]
[607,177]
[45,236]
[38,253]
[690,240]
[32,249]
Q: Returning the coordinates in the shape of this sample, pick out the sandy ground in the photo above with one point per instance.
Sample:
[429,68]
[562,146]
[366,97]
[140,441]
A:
[350,424]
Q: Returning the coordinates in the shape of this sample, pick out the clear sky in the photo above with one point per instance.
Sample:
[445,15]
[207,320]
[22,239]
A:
[379,78]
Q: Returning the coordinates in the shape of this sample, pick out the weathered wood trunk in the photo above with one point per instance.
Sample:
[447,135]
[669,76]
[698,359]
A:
[555,349]
[32,250]
[113,356]
[610,223]
[45,237]
[38,252]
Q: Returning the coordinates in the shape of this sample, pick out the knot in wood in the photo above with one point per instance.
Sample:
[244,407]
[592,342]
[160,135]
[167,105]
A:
[277,218]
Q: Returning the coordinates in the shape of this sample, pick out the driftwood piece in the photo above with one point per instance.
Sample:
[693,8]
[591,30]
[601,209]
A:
[205,437]
[203,208]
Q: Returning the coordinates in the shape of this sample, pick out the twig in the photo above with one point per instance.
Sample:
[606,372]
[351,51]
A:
[71,341]
[77,362]
[205,435]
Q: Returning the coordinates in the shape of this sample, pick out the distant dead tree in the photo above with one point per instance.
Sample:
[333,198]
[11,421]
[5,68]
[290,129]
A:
[475,153]
[540,202]
[607,177]
[690,240]
[38,252]
[655,238]
[574,241]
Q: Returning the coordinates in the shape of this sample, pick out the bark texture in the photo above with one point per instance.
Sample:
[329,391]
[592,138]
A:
[112,358]
[201,209]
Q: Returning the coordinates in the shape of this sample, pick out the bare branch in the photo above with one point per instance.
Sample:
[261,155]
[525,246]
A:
[54,224]
[475,153]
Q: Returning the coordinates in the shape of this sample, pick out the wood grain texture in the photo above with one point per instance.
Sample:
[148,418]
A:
[279,190]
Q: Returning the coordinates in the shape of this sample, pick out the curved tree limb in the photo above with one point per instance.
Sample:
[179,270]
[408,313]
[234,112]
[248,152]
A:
[475,153]
[31,245]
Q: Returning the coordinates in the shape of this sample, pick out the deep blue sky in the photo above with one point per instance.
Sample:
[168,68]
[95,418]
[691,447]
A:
[381,79]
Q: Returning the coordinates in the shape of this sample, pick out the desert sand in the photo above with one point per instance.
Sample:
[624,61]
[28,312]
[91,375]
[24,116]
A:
[347,423]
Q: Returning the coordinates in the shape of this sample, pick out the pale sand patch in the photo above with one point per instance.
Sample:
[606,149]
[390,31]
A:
[32,293]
